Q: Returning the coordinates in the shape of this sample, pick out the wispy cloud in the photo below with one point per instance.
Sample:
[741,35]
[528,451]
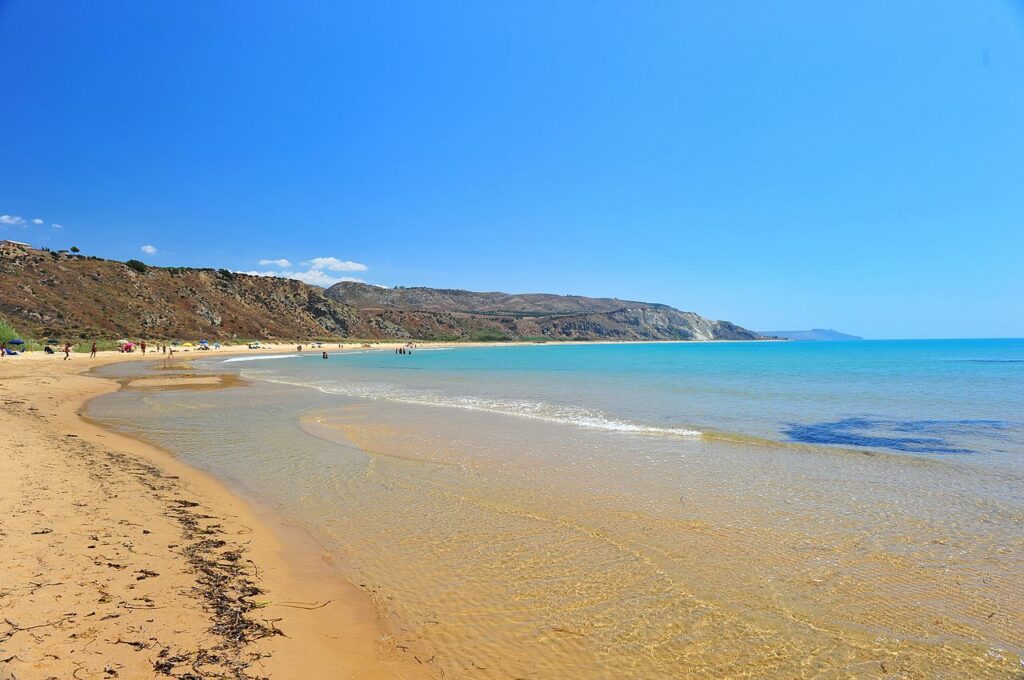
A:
[12,219]
[149,250]
[278,263]
[57,226]
[38,220]
[333,264]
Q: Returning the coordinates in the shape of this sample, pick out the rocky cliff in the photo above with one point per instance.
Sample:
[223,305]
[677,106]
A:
[462,314]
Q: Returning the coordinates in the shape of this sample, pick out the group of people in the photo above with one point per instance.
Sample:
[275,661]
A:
[405,350]
[124,348]
[47,349]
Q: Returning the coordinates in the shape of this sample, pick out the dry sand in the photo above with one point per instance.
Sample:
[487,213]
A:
[117,560]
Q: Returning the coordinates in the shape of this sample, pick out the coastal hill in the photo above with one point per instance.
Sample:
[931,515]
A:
[61,295]
[462,313]
[366,296]
[820,334]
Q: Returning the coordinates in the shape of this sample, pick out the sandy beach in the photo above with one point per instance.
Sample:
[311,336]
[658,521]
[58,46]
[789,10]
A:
[116,560]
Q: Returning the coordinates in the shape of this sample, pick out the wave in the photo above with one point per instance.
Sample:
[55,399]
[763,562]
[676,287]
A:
[535,410]
[260,358]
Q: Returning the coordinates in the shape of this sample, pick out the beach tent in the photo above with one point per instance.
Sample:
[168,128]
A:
[216,345]
[188,344]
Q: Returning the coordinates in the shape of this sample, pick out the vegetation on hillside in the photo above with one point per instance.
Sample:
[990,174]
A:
[70,297]
[7,331]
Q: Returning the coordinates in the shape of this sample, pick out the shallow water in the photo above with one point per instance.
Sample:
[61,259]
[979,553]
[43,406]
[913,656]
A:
[550,512]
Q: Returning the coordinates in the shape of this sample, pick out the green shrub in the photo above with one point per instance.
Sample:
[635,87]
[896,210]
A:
[489,335]
[7,331]
[138,266]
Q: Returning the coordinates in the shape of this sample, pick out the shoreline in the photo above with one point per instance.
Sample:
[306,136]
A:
[238,590]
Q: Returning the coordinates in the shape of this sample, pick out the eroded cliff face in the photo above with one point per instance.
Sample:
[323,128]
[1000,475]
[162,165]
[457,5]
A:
[48,294]
[461,314]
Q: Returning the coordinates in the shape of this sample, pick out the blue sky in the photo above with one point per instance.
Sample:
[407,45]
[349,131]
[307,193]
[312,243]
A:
[778,164]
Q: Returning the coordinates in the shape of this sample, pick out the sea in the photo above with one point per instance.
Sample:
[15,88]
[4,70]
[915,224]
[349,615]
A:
[647,510]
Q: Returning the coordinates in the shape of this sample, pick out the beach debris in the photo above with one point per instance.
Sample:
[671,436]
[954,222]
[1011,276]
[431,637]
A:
[303,605]
[138,646]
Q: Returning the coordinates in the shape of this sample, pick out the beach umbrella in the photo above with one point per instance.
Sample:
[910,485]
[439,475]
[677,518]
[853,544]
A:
[188,344]
[15,342]
[203,342]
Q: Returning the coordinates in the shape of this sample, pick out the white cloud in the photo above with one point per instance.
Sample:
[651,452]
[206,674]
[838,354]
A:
[333,264]
[149,250]
[38,220]
[57,226]
[11,219]
[317,273]
[313,277]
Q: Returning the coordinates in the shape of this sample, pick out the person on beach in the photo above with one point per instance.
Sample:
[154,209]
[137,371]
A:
[325,355]
[92,352]
[3,349]
[67,351]
[143,345]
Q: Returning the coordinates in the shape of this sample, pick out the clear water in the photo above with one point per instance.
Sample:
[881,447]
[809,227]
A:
[928,397]
[647,511]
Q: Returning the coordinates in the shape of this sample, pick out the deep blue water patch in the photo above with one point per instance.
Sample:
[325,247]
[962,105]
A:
[909,436]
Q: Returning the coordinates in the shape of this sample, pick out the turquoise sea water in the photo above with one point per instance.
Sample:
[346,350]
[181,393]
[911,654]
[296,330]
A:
[922,397]
[744,510]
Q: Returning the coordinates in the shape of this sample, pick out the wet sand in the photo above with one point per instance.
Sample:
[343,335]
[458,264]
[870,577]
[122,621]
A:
[117,560]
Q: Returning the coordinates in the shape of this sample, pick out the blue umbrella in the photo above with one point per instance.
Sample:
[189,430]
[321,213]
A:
[15,342]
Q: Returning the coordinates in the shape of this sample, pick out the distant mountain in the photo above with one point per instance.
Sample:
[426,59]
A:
[436,313]
[823,334]
[48,294]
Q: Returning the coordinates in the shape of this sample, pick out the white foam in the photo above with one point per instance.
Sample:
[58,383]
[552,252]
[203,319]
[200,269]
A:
[262,357]
[536,410]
